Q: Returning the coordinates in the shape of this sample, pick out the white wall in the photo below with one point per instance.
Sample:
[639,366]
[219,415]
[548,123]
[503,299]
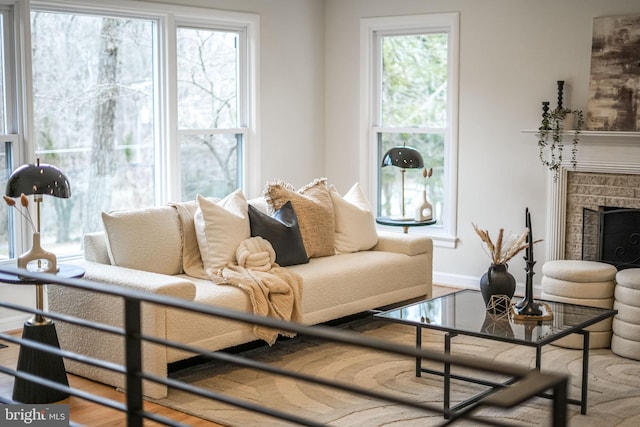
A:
[511,55]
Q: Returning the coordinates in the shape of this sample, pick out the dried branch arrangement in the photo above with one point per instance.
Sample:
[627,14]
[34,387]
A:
[504,248]
[24,201]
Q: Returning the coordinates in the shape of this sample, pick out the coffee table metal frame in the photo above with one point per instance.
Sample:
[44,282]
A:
[531,338]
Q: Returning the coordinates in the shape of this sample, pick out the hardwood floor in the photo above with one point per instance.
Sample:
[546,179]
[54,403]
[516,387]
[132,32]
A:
[91,414]
[88,413]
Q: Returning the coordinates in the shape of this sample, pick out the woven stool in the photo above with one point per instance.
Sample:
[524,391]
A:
[584,283]
[626,324]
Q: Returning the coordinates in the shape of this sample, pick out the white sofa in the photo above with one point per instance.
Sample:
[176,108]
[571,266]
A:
[397,268]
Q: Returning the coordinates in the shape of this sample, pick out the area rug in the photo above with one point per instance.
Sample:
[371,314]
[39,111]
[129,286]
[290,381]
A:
[614,383]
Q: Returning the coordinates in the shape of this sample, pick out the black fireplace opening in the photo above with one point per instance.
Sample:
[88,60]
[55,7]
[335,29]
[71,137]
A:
[611,235]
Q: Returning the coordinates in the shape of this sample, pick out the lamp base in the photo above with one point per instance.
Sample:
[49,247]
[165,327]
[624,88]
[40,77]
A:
[39,363]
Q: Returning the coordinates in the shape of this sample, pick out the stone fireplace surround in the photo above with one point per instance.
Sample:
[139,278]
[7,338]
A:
[607,174]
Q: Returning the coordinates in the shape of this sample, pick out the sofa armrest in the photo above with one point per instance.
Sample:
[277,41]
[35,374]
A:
[409,244]
[109,310]
[95,247]
[144,281]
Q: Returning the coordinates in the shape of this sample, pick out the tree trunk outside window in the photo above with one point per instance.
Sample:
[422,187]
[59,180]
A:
[103,164]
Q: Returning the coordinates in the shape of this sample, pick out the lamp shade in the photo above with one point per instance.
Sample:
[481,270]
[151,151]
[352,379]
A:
[403,157]
[39,178]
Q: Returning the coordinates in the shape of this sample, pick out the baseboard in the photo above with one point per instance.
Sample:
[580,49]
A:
[13,323]
[456,280]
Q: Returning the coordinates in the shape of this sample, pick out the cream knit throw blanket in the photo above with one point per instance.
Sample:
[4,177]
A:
[273,291]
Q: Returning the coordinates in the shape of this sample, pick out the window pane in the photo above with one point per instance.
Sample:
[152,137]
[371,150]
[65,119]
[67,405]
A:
[93,98]
[431,147]
[207,79]
[210,165]
[5,248]
[414,81]
[3,83]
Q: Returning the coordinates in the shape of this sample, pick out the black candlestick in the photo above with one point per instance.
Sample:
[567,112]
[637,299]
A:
[528,307]
[560,90]
[545,115]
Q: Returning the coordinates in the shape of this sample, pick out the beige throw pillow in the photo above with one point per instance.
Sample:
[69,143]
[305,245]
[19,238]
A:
[144,239]
[355,223]
[314,209]
[191,259]
[220,228]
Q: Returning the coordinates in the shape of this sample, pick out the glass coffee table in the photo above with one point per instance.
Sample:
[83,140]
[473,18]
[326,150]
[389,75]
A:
[464,313]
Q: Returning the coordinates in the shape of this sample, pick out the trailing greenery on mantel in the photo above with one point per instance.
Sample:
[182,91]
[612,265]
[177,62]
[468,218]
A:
[591,134]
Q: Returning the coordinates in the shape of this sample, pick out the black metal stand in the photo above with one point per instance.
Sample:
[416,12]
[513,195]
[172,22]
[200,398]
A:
[42,330]
[39,363]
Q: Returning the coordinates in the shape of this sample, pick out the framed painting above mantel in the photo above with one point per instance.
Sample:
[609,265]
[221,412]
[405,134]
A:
[614,86]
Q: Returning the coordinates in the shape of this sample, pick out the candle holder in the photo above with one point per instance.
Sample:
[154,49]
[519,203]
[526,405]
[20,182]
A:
[527,306]
[560,93]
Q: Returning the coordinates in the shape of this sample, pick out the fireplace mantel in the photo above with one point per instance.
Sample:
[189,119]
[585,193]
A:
[604,152]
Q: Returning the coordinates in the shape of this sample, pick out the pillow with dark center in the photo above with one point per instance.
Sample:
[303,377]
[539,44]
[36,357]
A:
[282,231]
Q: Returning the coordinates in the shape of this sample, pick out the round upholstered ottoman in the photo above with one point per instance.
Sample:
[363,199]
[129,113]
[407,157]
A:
[584,283]
[626,324]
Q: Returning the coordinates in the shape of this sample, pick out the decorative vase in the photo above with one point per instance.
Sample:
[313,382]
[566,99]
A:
[37,259]
[424,211]
[497,281]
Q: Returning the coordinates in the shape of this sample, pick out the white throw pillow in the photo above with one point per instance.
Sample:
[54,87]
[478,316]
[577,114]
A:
[355,223]
[144,239]
[220,227]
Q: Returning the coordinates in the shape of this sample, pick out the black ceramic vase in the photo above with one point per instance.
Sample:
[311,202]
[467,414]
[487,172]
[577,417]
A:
[497,281]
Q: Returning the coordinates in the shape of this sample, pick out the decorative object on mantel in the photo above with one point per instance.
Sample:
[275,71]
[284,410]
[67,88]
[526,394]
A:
[614,86]
[497,280]
[550,133]
[424,211]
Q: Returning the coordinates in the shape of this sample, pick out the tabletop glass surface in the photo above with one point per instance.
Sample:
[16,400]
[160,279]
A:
[464,312]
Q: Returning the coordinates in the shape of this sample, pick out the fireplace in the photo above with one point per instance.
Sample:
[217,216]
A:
[607,174]
[611,235]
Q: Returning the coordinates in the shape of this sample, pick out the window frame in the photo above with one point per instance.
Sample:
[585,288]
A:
[444,235]
[167,151]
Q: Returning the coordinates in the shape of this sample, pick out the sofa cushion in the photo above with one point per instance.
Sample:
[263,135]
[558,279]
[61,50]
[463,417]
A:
[144,239]
[282,231]
[220,228]
[314,209]
[355,224]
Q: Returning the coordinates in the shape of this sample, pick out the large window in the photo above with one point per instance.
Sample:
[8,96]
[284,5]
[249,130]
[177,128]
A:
[412,93]
[211,120]
[138,106]
[93,116]
[9,138]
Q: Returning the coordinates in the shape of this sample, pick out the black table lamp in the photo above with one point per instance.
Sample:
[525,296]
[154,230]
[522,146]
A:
[404,158]
[37,180]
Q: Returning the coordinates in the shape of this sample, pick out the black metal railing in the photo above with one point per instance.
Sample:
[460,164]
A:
[528,384]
